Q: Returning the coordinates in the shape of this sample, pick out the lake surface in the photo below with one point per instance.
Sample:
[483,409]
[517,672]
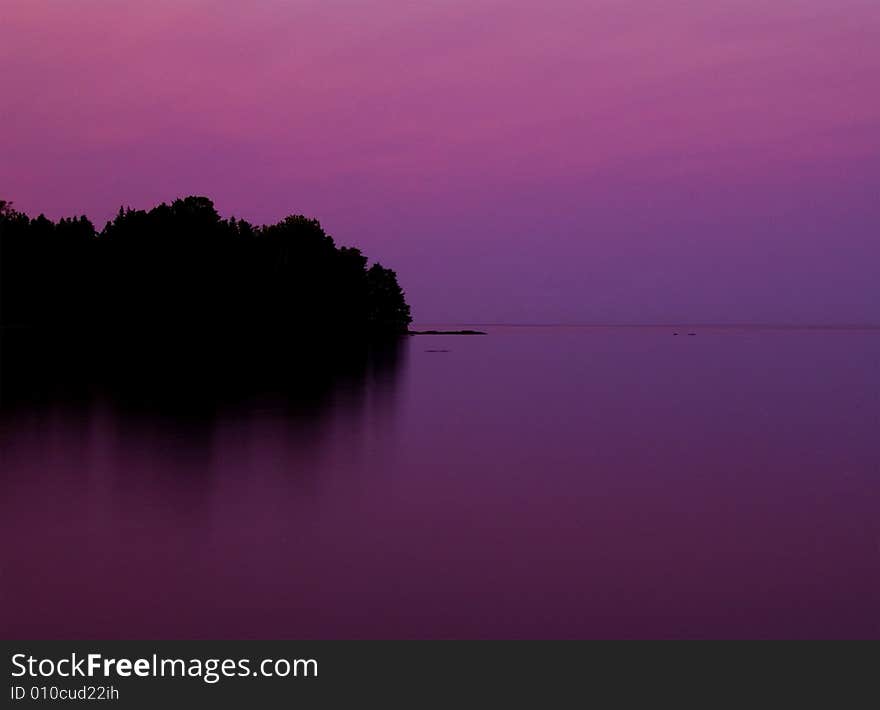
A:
[532,483]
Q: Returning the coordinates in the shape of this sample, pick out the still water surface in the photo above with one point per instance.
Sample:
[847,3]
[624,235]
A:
[534,482]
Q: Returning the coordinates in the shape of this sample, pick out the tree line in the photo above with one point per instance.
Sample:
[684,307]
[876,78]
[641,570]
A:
[181,268]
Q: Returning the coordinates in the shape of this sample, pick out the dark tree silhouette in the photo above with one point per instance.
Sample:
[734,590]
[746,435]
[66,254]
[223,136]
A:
[385,300]
[181,269]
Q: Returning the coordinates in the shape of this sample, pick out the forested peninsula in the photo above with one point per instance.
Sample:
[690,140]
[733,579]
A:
[180,269]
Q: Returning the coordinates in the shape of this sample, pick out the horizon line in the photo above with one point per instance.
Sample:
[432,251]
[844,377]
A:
[684,324]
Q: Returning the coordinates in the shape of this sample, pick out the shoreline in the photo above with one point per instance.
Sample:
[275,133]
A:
[446,332]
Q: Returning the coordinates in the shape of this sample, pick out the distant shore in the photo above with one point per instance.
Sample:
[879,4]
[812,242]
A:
[446,332]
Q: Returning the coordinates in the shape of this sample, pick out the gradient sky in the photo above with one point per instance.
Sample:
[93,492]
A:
[518,161]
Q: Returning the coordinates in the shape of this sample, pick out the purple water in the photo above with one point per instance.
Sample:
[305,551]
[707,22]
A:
[535,482]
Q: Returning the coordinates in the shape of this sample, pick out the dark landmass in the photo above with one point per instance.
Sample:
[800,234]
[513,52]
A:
[175,309]
[179,269]
[447,332]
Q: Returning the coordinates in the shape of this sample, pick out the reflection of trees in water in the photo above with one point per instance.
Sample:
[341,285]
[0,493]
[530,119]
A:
[168,421]
[195,377]
[173,321]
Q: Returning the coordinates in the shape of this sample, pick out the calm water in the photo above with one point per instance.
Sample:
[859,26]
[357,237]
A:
[535,482]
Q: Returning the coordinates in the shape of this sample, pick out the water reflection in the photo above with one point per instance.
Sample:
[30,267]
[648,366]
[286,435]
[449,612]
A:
[140,484]
[189,411]
[533,483]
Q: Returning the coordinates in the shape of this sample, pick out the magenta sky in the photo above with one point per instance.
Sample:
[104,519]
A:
[520,161]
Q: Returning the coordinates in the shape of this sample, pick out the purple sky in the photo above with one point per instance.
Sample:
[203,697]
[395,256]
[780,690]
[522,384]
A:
[518,161]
